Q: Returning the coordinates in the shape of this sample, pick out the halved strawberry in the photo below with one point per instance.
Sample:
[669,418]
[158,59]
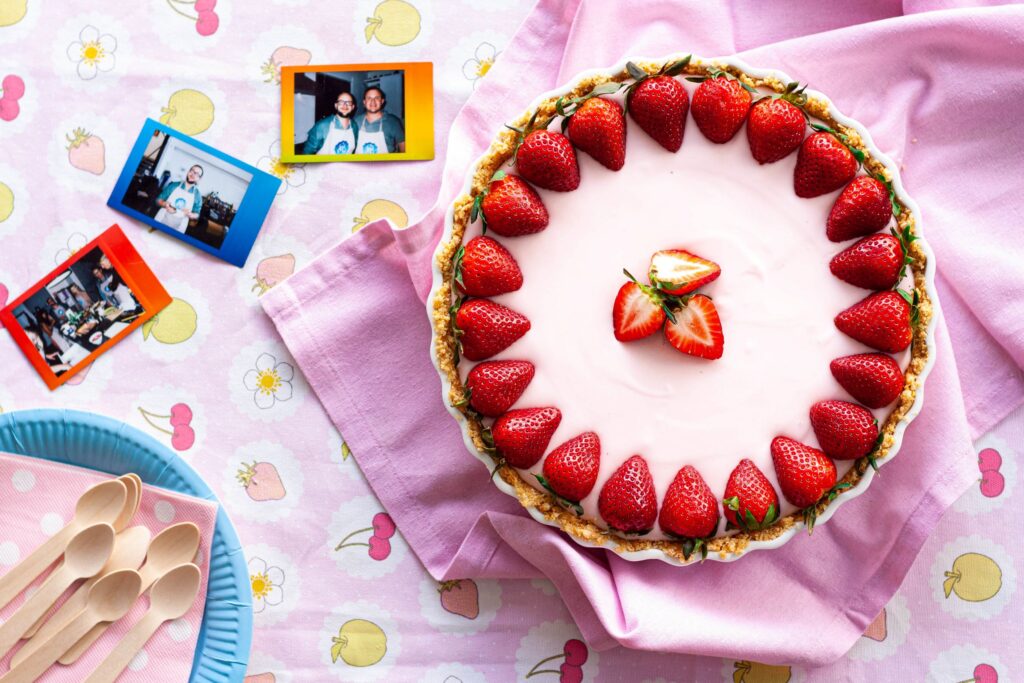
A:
[750,501]
[882,320]
[521,436]
[485,268]
[627,501]
[570,471]
[678,272]
[805,474]
[697,330]
[658,103]
[546,159]
[495,385]
[874,379]
[874,262]
[598,127]
[510,207]
[776,125]
[823,165]
[720,105]
[863,207]
[485,328]
[639,311]
[690,509]
[845,430]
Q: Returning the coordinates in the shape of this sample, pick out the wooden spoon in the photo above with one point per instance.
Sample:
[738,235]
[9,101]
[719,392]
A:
[129,551]
[100,504]
[171,598]
[109,600]
[131,504]
[177,544]
[86,554]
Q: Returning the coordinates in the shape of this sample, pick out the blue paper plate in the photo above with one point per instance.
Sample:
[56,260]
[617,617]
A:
[100,443]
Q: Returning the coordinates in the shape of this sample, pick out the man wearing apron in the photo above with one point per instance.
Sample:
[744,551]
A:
[334,134]
[379,131]
[180,201]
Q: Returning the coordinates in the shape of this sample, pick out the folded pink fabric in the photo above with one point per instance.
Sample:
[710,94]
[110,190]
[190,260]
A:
[932,88]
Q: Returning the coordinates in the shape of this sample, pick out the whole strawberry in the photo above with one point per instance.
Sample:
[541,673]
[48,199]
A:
[882,321]
[485,268]
[845,430]
[805,474]
[862,208]
[690,509]
[775,128]
[628,502]
[521,436]
[486,328]
[546,159]
[598,128]
[570,471]
[823,165]
[720,107]
[659,104]
[750,500]
[496,385]
[874,262]
[511,207]
[873,379]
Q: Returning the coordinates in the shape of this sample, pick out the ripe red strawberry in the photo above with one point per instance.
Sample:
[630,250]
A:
[627,501]
[862,208]
[805,474]
[485,268]
[546,159]
[638,311]
[874,379]
[521,436]
[598,128]
[512,208]
[720,107]
[570,471]
[659,104]
[495,385]
[678,272]
[697,330]
[823,165]
[872,263]
[690,509]
[882,321]
[486,328]
[750,500]
[845,430]
[775,128]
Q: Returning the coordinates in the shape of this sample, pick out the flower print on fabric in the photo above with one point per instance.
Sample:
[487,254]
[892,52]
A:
[93,52]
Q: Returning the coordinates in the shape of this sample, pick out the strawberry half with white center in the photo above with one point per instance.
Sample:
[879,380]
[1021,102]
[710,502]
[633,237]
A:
[750,501]
[875,262]
[720,105]
[546,158]
[570,471]
[863,207]
[659,103]
[776,125]
[628,502]
[883,321]
[521,436]
[845,430]
[597,126]
[485,268]
[697,329]
[874,379]
[678,272]
[639,311]
[824,164]
[690,509]
[510,207]
[805,474]
[485,328]
[495,385]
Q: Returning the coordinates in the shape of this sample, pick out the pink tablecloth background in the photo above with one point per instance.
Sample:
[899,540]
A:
[902,74]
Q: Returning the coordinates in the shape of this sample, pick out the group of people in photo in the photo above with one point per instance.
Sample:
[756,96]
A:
[374,131]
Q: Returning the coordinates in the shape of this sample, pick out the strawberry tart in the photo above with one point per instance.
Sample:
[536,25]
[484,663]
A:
[683,338]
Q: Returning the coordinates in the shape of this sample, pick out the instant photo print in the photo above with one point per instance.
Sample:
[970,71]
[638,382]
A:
[357,112]
[194,192]
[83,307]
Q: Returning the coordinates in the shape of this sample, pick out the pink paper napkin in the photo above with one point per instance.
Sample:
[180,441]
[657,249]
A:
[932,88]
[37,498]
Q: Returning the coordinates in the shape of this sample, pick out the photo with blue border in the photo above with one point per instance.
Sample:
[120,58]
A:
[194,192]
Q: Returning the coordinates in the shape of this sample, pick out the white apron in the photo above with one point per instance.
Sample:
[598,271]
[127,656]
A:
[339,140]
[372,142]
[182,200]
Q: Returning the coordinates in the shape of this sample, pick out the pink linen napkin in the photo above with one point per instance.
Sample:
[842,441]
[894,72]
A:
[901,70]
[38,497]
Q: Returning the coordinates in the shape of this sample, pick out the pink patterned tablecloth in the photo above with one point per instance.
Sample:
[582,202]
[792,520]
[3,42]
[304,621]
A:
[330,585]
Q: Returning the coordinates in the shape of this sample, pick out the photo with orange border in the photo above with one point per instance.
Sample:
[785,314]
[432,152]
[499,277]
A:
[357,112]
[84,306]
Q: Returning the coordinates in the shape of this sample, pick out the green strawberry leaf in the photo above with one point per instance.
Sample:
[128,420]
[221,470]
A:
[837,489]
[498,175]
[857,153]
[564,502]
[810,517]
[466,394]
[676,68]
[732,503]
[635,72]
[458,263]
[475,212]
[696,79]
